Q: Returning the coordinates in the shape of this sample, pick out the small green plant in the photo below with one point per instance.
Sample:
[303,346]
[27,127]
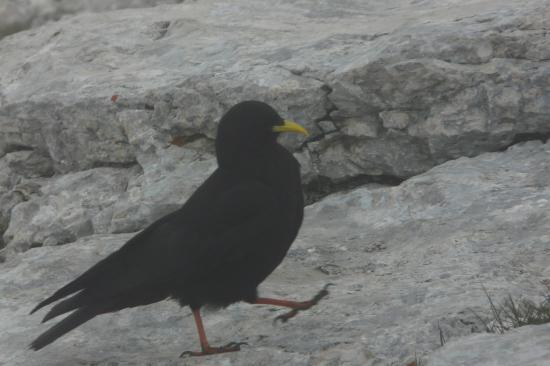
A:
[514,313]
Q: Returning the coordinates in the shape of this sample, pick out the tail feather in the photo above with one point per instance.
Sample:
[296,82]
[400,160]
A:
[80,282]
[67,305]
[69,323]
[59,294]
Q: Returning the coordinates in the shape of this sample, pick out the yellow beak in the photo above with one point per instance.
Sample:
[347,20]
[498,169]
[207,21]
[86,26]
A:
[290,126]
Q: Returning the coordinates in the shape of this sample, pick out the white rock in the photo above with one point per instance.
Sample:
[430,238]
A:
[467,77]
[68,207]
[525,346]
[415,259]
[17,15]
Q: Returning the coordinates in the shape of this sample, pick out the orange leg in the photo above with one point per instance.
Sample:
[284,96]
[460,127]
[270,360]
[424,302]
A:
[296,306]
[206,349]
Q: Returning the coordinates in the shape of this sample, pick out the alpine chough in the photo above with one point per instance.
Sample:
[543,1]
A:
[217,248]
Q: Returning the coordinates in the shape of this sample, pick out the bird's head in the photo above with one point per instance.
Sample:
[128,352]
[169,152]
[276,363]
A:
[248,127]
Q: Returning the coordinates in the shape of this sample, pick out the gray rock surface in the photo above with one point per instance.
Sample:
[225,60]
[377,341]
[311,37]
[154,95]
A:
[162,188]
[101,200]
[17,170]
[388,90]
[18,15]
[67,208]
[407,84]
[406,262]
[107,122]
[526,346]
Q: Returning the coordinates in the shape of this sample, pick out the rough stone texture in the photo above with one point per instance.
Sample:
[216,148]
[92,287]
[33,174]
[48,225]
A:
[162,188]
[107,122]
[404,261]
[67,208]
[18,15]
[17,170]
[388,90]
[408,84]
[526,346]
[102,200]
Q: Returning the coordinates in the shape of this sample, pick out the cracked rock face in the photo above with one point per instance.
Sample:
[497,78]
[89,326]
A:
[493,349]
[18,15]
[67,208]
[107,122]
[387,91]
[406,86]
[406,262]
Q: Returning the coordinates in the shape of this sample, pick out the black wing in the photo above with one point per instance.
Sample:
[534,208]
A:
[215,228]
[211,228]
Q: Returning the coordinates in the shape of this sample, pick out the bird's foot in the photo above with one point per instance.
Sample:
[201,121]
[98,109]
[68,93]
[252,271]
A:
[208,350]
[304,305]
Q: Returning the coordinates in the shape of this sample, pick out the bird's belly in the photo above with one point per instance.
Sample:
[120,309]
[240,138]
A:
[235,280]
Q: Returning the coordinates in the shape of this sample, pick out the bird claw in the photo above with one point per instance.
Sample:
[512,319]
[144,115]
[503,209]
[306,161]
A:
[304,305]
[236,344]
[284,317]
[321,294]
[230,347]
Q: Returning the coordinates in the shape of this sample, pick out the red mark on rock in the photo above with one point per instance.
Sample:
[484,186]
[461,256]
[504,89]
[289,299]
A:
[114,98]
[178,141]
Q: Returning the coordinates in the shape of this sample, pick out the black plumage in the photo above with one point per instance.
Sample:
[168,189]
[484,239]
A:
[217,248]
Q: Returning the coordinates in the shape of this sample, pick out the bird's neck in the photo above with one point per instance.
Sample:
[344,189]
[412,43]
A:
[246,163]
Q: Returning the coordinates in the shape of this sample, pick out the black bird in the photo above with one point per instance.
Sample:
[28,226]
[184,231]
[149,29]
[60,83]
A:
[217,248]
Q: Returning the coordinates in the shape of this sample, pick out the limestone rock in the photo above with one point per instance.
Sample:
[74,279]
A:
[525,346]
[408,85]
[18,15]
[107,122]
[162,188]
[27,164]
[17,170]
[405,262]
[101,200]
[387,90]
[67,208]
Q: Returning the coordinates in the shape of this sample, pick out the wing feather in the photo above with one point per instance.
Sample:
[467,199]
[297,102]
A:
[173,250]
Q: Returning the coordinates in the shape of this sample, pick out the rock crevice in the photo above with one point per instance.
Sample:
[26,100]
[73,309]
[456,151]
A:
[420,171]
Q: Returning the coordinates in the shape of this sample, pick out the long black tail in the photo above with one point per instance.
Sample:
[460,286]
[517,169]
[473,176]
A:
[75,319]
[74,302]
